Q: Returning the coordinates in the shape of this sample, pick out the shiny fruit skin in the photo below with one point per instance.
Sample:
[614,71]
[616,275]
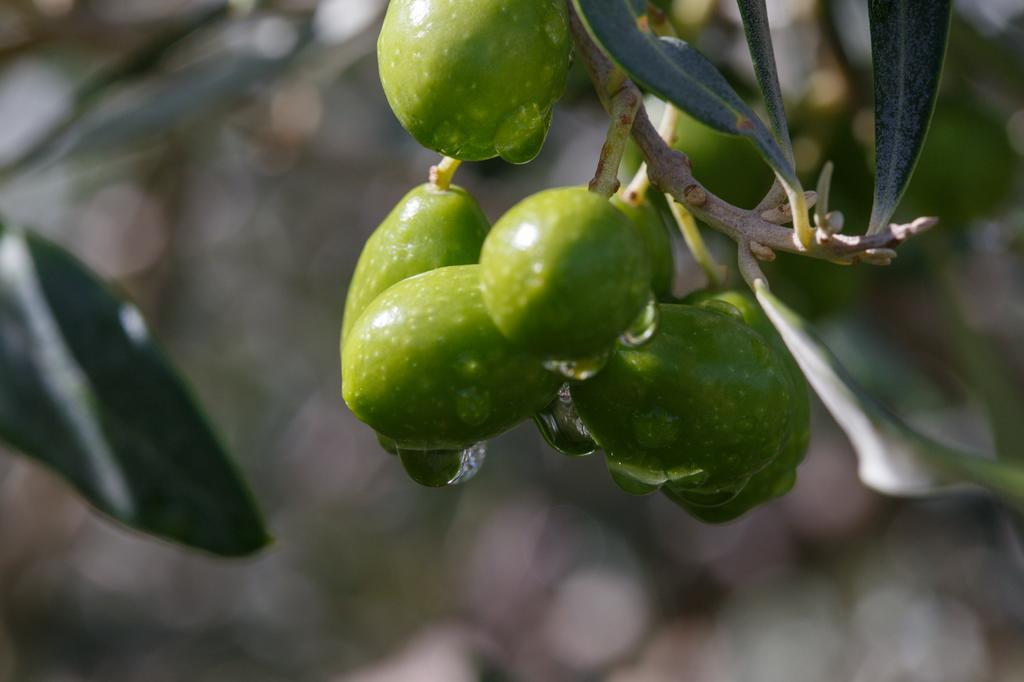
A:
[658,242]
[705,404]
[564,273]
[778,477]
[425,366]
[428,229]
[766,485]
[475,79]
[800,404]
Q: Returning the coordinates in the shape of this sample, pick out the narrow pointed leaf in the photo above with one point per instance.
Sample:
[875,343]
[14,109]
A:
[85,390]
[908,44]
[675,71]
[135,65]
[159,105]
[893,458]
[759,41]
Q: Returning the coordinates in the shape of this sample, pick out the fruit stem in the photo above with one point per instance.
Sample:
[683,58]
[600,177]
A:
[695,242]
[623,103]
[441,175]
[658,23]
[641,182]
[636,190]
[750,269]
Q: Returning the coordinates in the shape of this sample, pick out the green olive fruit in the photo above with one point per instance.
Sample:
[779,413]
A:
[562,428]
[704,405]
[657,240]
[425,366]
[564,274]
[772,482]
[752,314]
[429,228]
[778,477]
[966,168]
[475,79]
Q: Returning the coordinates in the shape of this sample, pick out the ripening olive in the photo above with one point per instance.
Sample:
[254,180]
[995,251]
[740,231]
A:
[779,476]
[564,274]
[704,405]
[475,79]
[429,228]
[425,366]
[657,240]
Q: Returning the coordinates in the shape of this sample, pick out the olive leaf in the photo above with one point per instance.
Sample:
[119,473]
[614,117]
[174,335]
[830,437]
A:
[155,106]
[86,390]
[759,41]
[908,45]
[675,71]
[893,458]
[136,64]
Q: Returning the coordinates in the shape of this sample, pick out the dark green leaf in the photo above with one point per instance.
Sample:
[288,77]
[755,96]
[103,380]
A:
[908,44]
[678,73]
[894,458]
[759,40]
[85,389]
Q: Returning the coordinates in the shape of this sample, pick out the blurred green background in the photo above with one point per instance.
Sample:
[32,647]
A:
[228,187]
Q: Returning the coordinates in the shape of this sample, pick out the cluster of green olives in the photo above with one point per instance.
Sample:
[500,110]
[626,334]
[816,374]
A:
[455,331]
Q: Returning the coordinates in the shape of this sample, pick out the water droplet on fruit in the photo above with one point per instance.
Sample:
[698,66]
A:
[628,482]
[388,444]
[521,133]
[687,477]
[439,468]
[707,498]
[715,305]
[580,369]
[562,428]
[472,459]
[643,328]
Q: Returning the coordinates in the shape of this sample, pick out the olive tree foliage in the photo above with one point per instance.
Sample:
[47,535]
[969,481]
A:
[908,41]
[86,390]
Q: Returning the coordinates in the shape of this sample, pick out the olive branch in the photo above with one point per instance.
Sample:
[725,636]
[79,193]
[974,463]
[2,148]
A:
[758,232]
